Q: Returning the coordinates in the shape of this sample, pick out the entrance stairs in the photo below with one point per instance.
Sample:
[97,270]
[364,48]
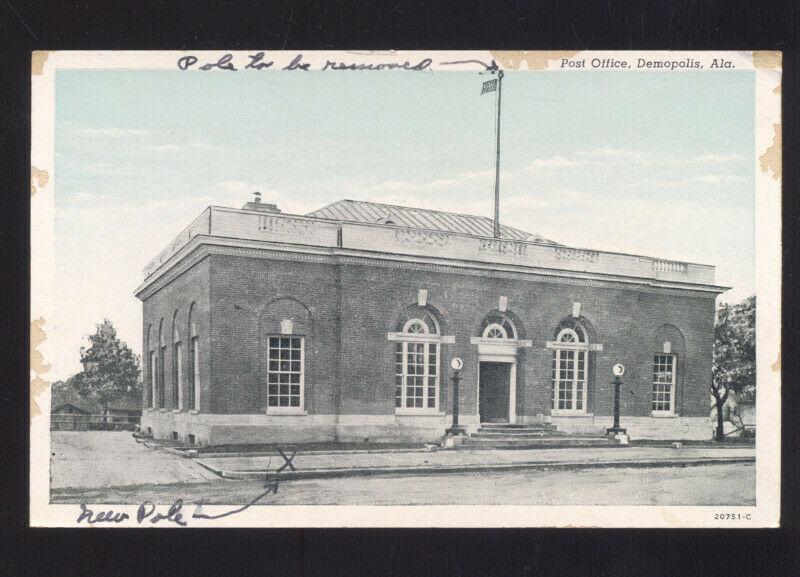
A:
[529,436]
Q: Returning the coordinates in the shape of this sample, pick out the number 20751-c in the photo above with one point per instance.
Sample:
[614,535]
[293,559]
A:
[732,516]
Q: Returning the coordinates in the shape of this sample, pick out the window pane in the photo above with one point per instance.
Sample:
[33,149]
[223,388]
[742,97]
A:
[663,382]
[284,367]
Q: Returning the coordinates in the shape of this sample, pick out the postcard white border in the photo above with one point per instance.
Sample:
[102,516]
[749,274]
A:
[767,66]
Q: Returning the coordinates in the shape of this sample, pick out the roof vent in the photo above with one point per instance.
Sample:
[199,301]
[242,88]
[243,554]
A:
[259,206]
[386,219]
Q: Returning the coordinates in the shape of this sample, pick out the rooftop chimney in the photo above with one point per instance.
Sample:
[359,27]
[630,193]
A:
[259,206]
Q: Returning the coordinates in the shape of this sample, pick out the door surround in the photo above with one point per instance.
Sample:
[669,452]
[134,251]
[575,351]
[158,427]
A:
[500,351]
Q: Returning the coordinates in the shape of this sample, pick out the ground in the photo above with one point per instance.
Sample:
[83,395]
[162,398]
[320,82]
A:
[110,467]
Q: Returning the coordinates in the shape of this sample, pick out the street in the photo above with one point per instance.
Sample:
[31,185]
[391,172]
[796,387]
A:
[108,467]
[705,485]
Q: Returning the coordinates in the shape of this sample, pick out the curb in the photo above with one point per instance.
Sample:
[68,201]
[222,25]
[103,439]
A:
[435,470]
[317,452]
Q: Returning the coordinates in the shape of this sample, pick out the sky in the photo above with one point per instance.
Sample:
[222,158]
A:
[659,164]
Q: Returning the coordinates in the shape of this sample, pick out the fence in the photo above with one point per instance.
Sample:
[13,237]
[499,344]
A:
[85,422]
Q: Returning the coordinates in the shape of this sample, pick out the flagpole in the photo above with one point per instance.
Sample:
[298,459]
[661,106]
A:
[497,160]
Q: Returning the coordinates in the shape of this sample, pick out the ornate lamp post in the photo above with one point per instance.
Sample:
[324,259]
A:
[456,364]
[617,432]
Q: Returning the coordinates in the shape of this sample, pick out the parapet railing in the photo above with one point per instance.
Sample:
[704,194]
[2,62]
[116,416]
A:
[200,225]
[389,239]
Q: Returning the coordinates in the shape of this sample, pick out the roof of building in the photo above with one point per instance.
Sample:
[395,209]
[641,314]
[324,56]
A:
[67,395]
[373,212]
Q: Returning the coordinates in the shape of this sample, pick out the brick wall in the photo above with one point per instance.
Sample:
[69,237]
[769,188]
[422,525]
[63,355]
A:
[623,320]
[250,297]
[172,303]
[241,299]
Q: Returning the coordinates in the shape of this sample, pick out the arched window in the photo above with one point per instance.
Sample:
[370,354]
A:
[498,326]
[177,365]
[570,368]
[417,353]
[416,327]
[162,343]
[194,360]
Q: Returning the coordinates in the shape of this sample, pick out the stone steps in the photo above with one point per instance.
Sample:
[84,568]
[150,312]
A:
[514,427]
[528,436]
[517,434]
[534,443]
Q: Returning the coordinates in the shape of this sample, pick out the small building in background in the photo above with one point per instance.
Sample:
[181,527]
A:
[71,411]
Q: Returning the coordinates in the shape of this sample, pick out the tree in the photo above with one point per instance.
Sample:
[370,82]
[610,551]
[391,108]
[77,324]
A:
[734,355]
[110,368]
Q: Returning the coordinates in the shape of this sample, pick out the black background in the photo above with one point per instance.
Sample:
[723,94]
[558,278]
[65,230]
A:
[610,24]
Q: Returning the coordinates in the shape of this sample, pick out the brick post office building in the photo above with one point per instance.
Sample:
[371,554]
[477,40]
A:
[340,325]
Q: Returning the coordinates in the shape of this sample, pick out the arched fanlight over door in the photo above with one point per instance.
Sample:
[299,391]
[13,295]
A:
[498,326]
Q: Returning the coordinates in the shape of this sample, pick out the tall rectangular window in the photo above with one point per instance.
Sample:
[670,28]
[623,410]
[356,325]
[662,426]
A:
[153,379]
[416,375]
[569,380]
[161,361]
[195,388]
[285,373]
[177,378]
[664,384]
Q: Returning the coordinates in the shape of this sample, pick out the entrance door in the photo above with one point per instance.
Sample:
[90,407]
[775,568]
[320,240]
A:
[494,391]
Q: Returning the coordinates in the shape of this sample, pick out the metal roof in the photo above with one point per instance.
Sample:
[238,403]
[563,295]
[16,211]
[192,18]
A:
[373,212]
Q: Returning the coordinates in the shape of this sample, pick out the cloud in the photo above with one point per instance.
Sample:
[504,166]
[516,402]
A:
[717,178]
[553,161]
[487,175]
[717,158]
[480,174]
[648,159]
[167,147]
[111,132]
[524,201]
[171,147]
[703,179]
[611,153]
[87,197]
[403,186]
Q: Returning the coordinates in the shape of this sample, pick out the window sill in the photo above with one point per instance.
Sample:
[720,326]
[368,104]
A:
[658,415]
[176,410]
[577,415]
[194,412]
[418,413]
[162,410]
[285,413]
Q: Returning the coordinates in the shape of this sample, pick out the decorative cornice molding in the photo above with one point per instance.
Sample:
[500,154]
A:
[339,256]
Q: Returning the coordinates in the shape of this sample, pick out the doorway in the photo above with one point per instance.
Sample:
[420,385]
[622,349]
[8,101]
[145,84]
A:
[494,391]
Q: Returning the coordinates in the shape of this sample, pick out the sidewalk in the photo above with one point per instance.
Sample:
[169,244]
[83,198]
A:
[320,465]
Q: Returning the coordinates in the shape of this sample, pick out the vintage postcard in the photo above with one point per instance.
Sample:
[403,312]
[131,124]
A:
[405,289]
